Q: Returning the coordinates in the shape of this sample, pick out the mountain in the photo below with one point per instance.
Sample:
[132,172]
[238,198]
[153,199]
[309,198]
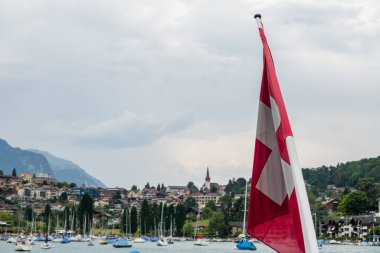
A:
[35,161]
[67,171]
[22,160]
[343,174]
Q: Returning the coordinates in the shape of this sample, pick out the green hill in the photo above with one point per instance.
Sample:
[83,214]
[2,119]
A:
[344,174]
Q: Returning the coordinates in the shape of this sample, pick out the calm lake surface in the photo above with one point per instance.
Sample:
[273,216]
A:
[182,247]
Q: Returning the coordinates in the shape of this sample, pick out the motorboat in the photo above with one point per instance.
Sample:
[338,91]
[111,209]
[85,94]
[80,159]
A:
[90,243]
[200,241]
[122,243]
[23,246]
[103,242]
[139,240]
[245,245]
[162,242]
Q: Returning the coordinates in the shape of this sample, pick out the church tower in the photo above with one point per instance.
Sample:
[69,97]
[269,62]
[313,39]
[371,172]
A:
[207,181]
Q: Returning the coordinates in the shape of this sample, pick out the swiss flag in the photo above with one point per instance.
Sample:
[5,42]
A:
[279,213]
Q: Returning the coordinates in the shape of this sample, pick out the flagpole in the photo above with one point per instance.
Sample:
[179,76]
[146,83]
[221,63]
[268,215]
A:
[308,231]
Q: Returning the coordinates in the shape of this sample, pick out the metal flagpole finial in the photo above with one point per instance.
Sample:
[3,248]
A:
[258,20]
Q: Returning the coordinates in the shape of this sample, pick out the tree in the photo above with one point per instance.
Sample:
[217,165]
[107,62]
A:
[189,203]
[145,217]
[133,220]
[14,173]
[147,186]
[134,188]
[217,225]
[28,213]
[124,220]
[206,213]
[63,197]
[180,218]
[354,203]
[211,205]
[1,173]
[192,187]
[47,212]
[72,185]
[158,187]
[346,191]
[367,185]
[117,195]
[85,211]
[188,229]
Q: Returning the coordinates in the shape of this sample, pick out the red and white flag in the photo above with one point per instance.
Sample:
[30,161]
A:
[279,213]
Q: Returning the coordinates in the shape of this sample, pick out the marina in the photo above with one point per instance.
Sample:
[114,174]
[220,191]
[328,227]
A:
[185,247]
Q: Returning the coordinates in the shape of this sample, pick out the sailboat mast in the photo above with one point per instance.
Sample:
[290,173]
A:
[245,206]
[162,217]
[126,223]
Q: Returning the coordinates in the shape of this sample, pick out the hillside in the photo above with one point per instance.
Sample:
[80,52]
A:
[22,160]
[35,161]
[343,174]
[67,171]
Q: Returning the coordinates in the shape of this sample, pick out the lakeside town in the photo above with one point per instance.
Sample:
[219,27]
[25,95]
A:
[213,210]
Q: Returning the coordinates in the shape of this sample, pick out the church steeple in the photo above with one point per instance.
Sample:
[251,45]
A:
[207,176]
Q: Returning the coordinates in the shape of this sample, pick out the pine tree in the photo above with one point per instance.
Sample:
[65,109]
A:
[145,217]
[124,220]
[85,211]
[133,220]
[14,173]
[180,218]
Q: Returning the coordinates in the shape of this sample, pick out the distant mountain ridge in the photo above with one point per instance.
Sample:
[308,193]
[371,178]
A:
[67,171]
[36,161]
[22,160]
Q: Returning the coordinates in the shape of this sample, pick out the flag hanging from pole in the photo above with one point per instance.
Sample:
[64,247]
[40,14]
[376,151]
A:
[279,213]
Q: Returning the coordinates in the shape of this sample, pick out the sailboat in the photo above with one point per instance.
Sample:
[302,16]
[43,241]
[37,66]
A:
[170,239]
[138,239]
[199,240]
[243,243]
[162,241]
[47,245]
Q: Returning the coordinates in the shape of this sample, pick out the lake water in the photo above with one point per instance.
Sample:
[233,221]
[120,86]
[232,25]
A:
[181,247]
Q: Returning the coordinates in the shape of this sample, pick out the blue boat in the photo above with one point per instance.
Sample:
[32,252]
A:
[65,240]
[245,245]
[154,239]
[122,243]
[111,239]
[40,238]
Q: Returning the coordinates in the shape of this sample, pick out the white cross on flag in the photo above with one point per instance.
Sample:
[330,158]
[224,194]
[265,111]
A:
[279,213]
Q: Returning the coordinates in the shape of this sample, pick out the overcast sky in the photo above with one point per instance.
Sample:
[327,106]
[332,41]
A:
[137,91]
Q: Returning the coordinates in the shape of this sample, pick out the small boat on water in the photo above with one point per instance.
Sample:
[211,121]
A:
[245,245]
[162,242]
[90,243]
[11,240]
[65,240]
[45,245]
[200,241]
[139,240]
[103,242]
[154,239]
[122,243]
[111,239]
[23,246]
